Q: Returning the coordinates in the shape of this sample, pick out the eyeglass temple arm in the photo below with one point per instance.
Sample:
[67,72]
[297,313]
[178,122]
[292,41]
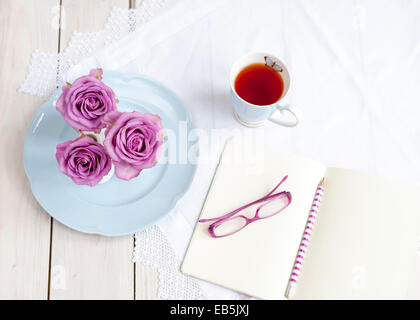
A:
[278,185]
[228,215]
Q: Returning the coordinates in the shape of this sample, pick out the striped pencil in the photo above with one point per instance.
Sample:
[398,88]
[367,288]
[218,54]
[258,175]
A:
[305,238]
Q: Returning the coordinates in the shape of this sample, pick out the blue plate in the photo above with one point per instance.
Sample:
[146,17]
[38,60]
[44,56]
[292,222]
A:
[116,207]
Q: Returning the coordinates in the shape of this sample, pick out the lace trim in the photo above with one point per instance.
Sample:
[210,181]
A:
[153,249]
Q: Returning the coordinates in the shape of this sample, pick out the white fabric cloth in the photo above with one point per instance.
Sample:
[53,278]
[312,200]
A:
[354,69]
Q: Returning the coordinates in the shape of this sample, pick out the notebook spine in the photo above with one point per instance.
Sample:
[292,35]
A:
[313,214]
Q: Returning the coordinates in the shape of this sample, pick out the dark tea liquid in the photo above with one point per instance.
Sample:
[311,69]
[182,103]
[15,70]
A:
[259,84]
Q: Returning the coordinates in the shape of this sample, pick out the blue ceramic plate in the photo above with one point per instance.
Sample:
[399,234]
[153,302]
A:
[116,207]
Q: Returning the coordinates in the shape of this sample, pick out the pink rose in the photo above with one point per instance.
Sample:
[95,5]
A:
[133,141]
[84,160]
[84,103]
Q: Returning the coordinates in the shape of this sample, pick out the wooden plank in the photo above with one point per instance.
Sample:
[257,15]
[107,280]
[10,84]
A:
[147,279]
[89,266]
[26,25]
[147,282]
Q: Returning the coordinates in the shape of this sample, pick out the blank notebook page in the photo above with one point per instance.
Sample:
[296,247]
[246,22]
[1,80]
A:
[364,244]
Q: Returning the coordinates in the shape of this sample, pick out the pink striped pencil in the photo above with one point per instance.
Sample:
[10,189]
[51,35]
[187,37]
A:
[305,238]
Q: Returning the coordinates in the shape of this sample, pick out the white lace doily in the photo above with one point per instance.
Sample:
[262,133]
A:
[152,248]
[46,72]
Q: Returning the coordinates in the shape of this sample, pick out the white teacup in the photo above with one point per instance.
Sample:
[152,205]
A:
[252,115]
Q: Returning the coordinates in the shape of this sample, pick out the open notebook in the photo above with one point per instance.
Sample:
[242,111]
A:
[365,243]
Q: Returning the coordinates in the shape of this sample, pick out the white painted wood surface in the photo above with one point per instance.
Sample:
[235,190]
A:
[24,226]
[39,257]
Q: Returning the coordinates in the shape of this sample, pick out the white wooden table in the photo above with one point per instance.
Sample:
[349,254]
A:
[39,257]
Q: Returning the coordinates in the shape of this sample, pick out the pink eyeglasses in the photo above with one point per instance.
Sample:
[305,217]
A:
[230,223]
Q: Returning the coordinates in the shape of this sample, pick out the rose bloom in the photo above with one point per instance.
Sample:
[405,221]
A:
[84,160]
[84,103]
[133,140]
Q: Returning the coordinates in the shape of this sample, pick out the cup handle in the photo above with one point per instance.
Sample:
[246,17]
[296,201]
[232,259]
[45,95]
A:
[279,114]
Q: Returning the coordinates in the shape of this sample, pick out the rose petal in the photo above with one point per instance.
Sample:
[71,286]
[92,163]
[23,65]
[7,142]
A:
[125,171]
[111,117]
[96,73]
